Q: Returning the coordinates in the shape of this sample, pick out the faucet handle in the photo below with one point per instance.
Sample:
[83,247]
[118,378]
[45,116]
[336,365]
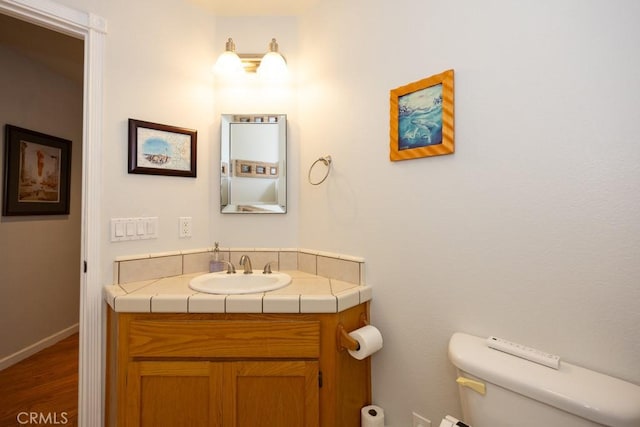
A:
[267,267]
[231,269]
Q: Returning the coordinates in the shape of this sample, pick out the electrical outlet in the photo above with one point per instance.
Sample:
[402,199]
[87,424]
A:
[420,421]
[185,226]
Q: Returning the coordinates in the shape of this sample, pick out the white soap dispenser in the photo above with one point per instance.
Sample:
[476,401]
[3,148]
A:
[215,264]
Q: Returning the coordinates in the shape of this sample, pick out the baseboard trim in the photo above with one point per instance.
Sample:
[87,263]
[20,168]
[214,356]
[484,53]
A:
[40,345]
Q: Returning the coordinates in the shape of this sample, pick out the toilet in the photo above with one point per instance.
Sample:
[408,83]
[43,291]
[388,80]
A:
[501,390]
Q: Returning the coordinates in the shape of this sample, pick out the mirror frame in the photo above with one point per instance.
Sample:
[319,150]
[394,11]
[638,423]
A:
[229,171]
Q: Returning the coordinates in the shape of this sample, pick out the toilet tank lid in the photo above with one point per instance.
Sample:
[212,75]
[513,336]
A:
[577,390]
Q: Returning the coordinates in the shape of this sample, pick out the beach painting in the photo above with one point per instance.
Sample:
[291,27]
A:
[164,150]
[420,118]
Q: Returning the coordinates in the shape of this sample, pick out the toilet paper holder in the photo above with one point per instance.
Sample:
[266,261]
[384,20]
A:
[344,341]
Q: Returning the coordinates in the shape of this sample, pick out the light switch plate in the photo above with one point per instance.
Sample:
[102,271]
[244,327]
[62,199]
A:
[123,229]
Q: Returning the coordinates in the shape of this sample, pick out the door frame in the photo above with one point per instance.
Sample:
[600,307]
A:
[92,29]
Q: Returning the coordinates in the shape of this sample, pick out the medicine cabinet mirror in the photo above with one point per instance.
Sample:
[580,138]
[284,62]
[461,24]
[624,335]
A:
[253,163]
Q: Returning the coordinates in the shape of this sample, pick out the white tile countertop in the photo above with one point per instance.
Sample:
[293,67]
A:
[307,293]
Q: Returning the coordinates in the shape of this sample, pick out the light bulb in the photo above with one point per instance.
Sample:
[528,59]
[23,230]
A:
[229,63]
[273,66]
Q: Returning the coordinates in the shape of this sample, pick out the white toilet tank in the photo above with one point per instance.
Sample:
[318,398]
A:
[525,394]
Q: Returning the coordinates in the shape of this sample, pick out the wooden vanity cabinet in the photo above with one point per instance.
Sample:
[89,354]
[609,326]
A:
[234,370]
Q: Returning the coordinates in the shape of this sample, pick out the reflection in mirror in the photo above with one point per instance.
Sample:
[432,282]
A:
[253,163]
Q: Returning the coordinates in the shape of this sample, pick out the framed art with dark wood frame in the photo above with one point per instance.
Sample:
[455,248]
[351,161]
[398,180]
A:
[422,118]
[156,149]
[37,173]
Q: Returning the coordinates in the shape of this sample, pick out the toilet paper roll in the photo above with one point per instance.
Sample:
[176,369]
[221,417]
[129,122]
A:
[372,416]
[370,340]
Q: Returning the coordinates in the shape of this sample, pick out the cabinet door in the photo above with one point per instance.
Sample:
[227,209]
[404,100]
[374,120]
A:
[268,394]
[173,394]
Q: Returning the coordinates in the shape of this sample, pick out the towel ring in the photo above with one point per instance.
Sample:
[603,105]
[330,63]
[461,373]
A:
[327,162]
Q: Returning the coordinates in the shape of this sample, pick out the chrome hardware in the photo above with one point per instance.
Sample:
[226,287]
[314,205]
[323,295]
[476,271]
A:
[230,267]
[246,262]
[267,267]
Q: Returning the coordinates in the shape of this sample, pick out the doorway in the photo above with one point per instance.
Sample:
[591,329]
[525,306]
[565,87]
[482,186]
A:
[92,29]
[41,78]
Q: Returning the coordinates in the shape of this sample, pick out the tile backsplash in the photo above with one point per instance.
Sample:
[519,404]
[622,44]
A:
[136,268]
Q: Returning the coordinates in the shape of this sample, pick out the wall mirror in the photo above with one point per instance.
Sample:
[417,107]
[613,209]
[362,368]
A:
[253,163]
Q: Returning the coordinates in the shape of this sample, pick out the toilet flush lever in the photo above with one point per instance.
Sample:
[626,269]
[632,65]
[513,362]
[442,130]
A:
[474,385]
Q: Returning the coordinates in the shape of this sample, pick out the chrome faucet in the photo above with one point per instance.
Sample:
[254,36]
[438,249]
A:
[246,262]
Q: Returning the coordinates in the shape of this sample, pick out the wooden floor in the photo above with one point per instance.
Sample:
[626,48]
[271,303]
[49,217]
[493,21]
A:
[45,383]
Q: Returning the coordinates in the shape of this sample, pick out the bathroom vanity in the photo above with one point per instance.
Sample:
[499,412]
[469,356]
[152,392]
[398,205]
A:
[234,370]
[210,364]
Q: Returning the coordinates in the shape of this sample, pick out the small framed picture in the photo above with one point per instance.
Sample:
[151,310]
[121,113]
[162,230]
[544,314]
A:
[421,123]
[37,170]
[156,149]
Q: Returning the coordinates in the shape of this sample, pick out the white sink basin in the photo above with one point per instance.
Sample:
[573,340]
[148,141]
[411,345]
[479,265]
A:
[239,283]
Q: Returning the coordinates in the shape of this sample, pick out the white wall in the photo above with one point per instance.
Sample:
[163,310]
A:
[39,255]
[159,69]
[530,230]
[252,35]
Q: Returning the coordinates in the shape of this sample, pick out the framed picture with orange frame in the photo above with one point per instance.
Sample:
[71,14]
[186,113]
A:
[421,122]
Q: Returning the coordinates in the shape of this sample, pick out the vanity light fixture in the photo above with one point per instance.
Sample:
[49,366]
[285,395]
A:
[269,66]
